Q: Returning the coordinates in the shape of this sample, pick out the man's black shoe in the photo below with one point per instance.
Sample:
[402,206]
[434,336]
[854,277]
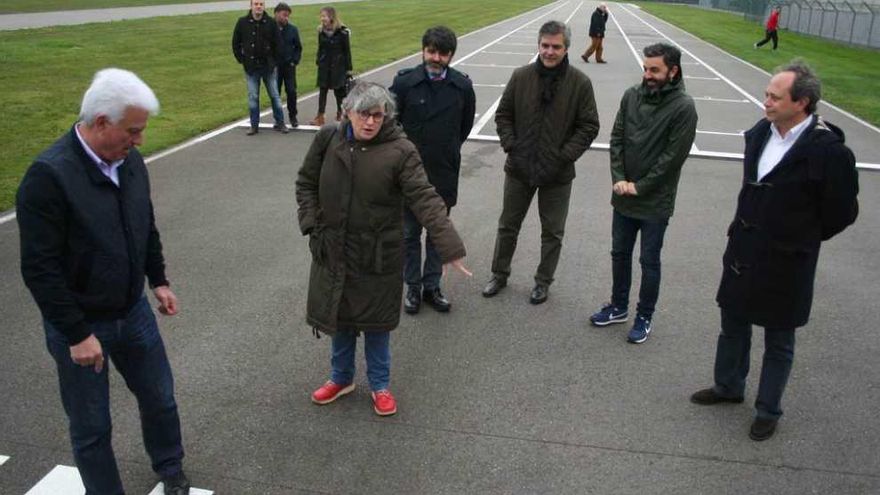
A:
[494,286]
[252,131]
[177,484]
[762,429]
[436,300]
[708,397]
[281,128]
[412,300]
[294,123]
[539,294]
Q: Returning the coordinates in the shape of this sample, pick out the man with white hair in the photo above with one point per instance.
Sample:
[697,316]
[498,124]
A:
[88,241]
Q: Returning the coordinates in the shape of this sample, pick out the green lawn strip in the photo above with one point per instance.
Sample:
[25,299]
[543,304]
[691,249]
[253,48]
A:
[188,62]
[848,74]
[21,6]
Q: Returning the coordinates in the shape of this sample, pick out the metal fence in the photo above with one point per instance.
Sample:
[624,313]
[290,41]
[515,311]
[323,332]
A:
[848,21]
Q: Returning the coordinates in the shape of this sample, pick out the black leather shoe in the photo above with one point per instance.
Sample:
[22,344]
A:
[762,429]
[436,300]
[281,128]
[708,397]
[176,485]
[412,300]
[494,286]
[539,294]
[252,131]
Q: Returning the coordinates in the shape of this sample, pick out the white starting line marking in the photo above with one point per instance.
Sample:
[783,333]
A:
[3,459]
[700,78]
[65,480]
[719,133]
[496,66]
[508,53]
[490,85]
[513,43]
[723,100]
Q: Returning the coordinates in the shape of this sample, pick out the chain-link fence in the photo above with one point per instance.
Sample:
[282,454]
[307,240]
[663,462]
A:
[849,21]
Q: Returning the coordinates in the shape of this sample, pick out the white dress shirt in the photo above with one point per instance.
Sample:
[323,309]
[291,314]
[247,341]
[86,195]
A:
[110,170]
[777,146]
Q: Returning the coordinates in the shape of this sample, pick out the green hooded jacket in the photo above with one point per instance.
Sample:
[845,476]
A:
[650,141]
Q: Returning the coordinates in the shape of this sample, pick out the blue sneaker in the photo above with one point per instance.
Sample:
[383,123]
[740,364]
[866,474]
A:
[640,330]
[609,314]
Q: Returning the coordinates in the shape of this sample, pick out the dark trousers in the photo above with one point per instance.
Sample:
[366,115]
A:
[595,47]
[339,93]
[770,35]
[287,79]
[623,239]
[136,349]
[413,273]
[732,363]
[552,210]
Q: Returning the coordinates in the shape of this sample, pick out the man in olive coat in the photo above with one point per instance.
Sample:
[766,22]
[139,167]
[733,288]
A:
[799,188]
[436,107]
[652,135]
[546,120]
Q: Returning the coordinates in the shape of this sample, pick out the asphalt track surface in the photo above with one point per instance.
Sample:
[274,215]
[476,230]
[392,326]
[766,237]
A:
[498,396]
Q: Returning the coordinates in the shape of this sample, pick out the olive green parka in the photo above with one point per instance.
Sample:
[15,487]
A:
[650,141]
[351,196]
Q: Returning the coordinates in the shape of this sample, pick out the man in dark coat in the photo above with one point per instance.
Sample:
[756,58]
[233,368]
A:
[436,105]
[88,241]
[546,120]
[256,42]
[651,139]
[597,34]
[289,55]
[800,188]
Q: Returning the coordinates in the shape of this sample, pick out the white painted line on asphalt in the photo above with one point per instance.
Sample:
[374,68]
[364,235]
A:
[61,480]
[512,43]
[694,148]
[719,133]
[489,86]
[7,217]
[3,459]
[628,42]
[723,100]
[707,66]
[496,66]
[160,490]
[703,78]
[508,53]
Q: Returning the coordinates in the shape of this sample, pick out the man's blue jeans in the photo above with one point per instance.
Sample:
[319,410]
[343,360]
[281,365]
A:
[732,363]
[270,80]
[377,350]
[413,274]
[623,239]
[136,349]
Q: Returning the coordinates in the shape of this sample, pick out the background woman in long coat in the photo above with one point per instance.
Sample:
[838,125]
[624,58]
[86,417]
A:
[351,191]
[333,60]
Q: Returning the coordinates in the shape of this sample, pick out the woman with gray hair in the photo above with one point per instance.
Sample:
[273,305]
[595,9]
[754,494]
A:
[351,191]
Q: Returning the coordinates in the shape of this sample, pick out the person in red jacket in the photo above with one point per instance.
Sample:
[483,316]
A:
[772,25]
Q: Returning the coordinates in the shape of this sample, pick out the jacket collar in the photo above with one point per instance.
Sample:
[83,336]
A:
[88,164]
[757,137]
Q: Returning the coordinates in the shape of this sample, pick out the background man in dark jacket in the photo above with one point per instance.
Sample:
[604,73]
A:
[88,240]
[799,188]
[652,135]
[436,105]
[597,34]
[289,55]
[256,43]
[546,120]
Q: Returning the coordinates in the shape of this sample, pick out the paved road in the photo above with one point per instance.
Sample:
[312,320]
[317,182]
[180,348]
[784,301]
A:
[69,17]
[498,396]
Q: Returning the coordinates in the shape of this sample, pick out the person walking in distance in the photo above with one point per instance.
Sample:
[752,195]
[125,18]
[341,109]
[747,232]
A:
[772,26]
[597,34]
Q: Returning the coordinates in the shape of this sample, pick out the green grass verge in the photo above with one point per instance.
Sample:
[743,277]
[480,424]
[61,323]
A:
[848,74]
[188,63]
[22,6]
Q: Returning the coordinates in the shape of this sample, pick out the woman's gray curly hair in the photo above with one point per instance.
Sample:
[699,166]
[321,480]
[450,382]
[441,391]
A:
[366,95]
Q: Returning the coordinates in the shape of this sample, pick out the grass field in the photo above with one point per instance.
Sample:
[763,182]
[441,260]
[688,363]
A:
[189,64]
[848,74]
[20,6]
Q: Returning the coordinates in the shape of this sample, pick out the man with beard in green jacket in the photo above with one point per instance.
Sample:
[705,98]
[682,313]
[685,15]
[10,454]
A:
[651,138]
